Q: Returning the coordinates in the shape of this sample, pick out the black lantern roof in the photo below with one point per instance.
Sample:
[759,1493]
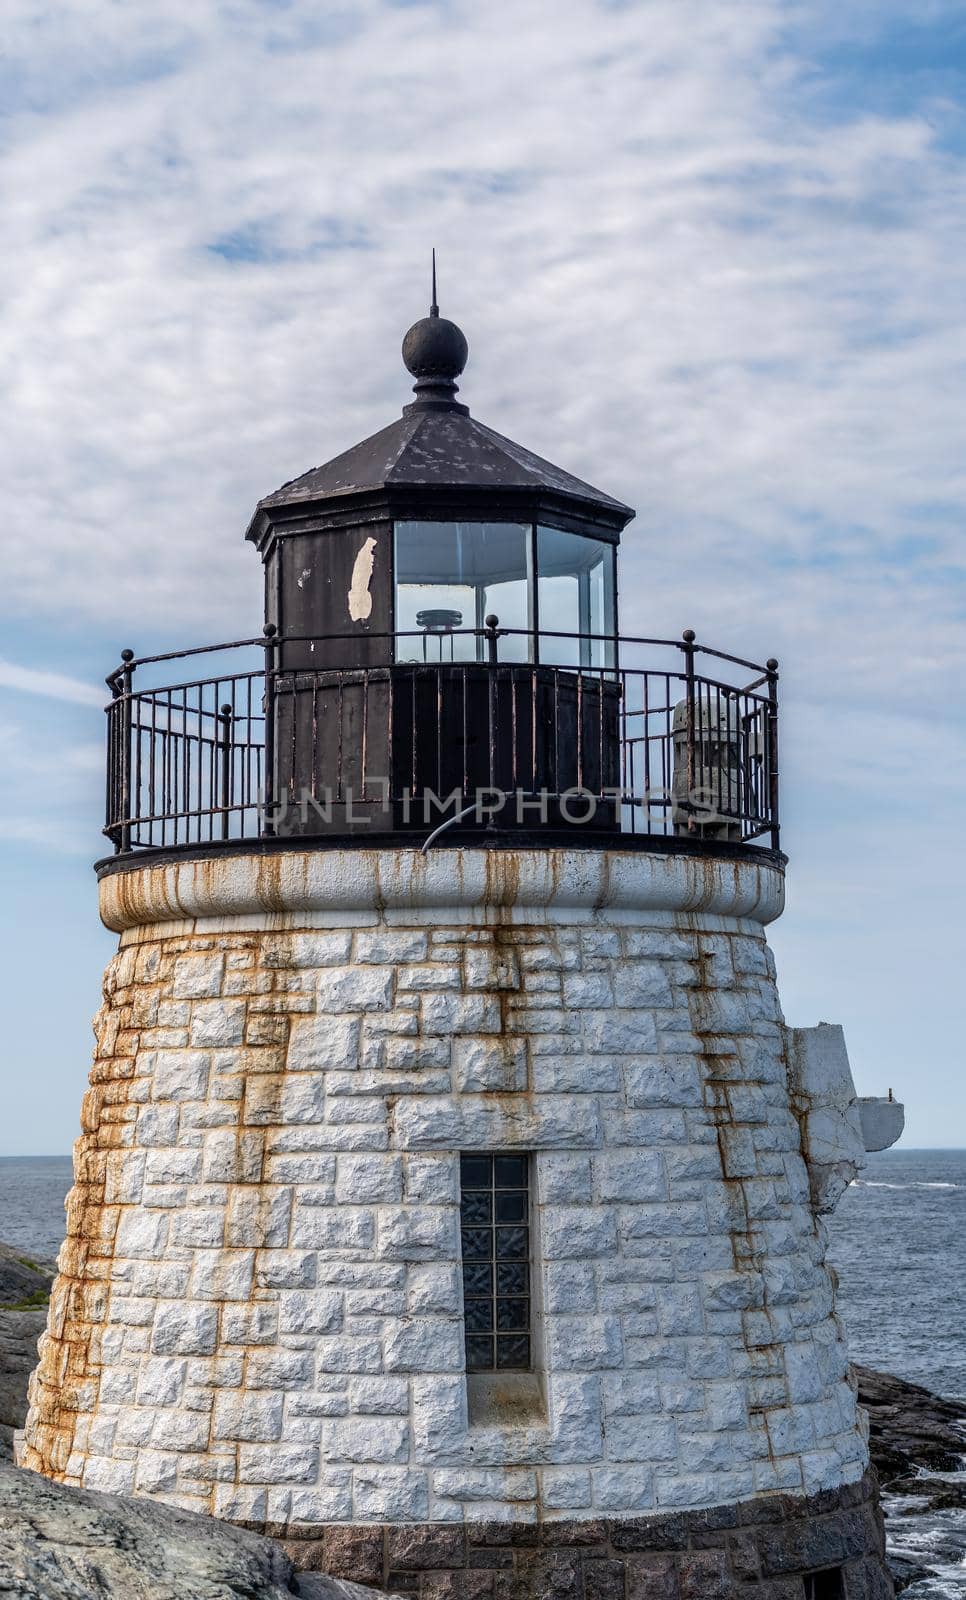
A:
[437,449]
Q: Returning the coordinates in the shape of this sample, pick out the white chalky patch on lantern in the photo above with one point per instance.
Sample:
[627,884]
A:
[360,600]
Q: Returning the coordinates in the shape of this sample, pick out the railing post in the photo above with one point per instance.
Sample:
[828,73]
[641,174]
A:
[771,666]
[492,624]
[268,776]
[127,728]
[690,719]
[226,717]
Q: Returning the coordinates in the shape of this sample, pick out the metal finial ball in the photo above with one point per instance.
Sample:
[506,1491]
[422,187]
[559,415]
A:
[688,636]
[127,655]
[771,664]
[269,630]
[434,347]
[491,621]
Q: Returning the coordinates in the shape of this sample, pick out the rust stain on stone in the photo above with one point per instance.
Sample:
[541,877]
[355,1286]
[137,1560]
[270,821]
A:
[64,1386]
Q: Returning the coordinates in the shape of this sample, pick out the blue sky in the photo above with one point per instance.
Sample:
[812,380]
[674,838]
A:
[710,257]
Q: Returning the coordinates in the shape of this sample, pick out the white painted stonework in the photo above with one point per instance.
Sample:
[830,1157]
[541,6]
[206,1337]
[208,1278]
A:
[259,1311]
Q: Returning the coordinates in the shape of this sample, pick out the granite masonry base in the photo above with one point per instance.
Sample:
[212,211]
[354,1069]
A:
[830,1546]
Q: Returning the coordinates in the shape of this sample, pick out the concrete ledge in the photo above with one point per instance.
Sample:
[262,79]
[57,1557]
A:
[883,1120]
[497,886]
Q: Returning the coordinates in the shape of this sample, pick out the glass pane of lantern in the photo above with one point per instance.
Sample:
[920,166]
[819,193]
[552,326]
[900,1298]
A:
[575,593]
[451,576]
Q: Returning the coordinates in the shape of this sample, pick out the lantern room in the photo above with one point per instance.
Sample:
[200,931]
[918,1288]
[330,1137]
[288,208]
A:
[438,543]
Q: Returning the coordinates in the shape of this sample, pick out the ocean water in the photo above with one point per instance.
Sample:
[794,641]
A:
[32,1193]
[897,1242]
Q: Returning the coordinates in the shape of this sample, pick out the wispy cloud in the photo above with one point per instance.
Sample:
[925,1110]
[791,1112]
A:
[711,257]
[52,685]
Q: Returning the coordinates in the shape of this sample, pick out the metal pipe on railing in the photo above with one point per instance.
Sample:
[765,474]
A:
[688,648]
[226,717]
[492,624]
[126,675]
[772,669]
[270,645]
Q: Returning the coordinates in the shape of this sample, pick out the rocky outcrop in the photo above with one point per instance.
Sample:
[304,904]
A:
[912,1431]
[24,1290]
[25,1282]
[72,1544]
[19,1333]
[918,1447]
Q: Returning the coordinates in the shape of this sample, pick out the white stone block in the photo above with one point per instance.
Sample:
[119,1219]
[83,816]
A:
[322,949]
[424,1345]
[302,1099]
[160,1382]
[232,1157]
[618,1490]
[583,990]
[577,1343]
[482,1065]
[109,1476]
[355,989]
[181,1431]
[319,1043]
[217,1022]
[663,1081]
[653,1440]
[141,1233]
[180,1075]
[630,1175]
[453,1013]
[431,1179]
[491,967]
[249,1417]
[390,946]
[390,1495]
[185,1330]
[222,1274]
[173,1165]
[198,976]
[258,1217]
[329,1500]
[563,1177]
[439,1417]
[251,1324]
[576,1074]
[366,1439]
[571,1286]
[157,1471]
[433,1289]
[573,1231]
[157,1125]
[284,1370]
[641,983]
[368,1179]
[417,1233]
[278,1463]
[565,1489]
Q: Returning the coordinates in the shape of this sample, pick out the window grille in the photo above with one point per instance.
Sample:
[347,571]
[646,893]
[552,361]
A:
[495,1243]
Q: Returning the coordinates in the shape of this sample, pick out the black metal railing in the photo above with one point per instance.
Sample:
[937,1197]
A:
[293,739]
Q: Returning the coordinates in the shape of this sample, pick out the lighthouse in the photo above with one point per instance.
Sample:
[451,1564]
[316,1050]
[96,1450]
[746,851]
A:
[449,1194]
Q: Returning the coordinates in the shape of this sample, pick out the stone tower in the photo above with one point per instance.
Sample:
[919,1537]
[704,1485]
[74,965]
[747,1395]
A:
[448,1196]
